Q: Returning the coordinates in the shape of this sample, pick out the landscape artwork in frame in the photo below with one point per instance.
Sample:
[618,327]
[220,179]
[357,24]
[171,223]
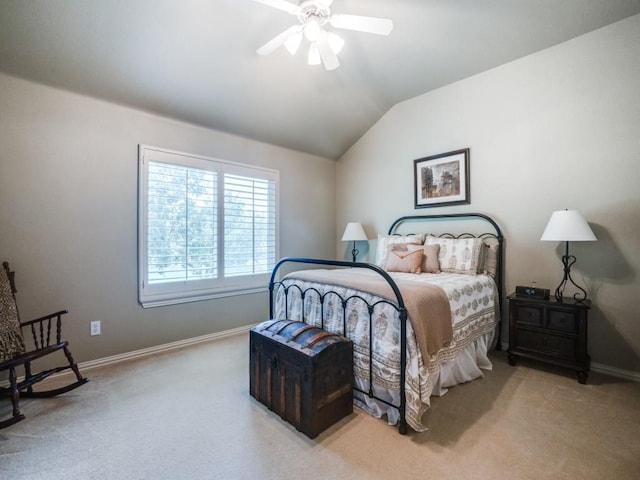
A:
[442,179]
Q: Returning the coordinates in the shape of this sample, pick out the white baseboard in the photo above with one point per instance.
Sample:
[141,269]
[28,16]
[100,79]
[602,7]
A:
[123,357]
[616,372]
[604,369]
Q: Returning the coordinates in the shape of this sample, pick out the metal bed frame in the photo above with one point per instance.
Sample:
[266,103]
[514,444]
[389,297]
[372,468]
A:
[398,304]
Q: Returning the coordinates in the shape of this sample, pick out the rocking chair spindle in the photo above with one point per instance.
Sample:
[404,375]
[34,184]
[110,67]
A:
[14,354]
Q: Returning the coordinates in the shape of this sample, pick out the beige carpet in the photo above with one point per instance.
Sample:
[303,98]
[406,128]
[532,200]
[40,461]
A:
[187,414]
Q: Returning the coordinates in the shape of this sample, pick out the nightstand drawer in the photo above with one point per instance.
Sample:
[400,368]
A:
[529,315]
[552,345]
[562,320]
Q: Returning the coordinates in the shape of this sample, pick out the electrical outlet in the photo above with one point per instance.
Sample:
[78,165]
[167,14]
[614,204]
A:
[95,328]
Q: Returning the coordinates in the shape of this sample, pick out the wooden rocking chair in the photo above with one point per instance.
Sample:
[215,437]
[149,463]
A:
[14,354]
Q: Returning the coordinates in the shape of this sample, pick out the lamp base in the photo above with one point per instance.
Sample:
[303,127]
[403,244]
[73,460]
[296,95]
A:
[567,262]
[354,252]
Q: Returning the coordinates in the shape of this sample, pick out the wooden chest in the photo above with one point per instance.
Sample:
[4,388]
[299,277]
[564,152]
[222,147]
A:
[302,373]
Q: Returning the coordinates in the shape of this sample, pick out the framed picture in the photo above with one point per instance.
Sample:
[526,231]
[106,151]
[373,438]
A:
[442,179]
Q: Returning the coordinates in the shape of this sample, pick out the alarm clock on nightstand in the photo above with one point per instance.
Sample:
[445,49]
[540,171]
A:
[532,292]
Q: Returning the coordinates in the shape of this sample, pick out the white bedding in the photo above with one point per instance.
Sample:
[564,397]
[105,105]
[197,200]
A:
[474,313]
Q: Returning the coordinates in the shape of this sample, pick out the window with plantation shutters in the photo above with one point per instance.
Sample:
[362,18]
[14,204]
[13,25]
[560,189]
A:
[249,225]
[207,227]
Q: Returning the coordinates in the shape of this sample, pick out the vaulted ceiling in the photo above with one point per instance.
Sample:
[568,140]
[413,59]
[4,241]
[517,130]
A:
[195,60]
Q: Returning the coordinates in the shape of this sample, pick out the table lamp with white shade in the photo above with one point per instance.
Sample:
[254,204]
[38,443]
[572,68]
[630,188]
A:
[568,226]
[354,233]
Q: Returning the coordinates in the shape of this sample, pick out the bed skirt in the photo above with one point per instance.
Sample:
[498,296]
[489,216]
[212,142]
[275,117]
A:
[467,365]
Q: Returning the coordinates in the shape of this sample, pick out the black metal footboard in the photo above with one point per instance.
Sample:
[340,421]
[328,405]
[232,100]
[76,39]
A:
[398,305]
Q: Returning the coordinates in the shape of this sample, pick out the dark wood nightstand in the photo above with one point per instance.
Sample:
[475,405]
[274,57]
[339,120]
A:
[549,331]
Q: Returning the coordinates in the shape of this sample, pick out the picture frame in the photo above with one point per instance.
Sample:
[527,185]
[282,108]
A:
[441,180]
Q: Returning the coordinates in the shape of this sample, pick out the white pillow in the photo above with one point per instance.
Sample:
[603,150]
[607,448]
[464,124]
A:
[458,255]
[385,240]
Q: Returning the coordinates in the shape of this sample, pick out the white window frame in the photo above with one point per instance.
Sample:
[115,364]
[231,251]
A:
[153,295]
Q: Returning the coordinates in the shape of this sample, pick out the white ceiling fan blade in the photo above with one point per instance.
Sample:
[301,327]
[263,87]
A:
[329,58]
[284,5]
[379,26]
[278,40]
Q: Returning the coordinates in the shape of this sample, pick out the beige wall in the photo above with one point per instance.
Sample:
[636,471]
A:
[68,207]
[558,129]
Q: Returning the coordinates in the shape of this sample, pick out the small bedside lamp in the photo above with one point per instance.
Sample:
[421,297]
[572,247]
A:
[354,233]
[568,226]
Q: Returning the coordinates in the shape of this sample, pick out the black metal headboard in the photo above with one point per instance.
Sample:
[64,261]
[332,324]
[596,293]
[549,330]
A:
[409,218]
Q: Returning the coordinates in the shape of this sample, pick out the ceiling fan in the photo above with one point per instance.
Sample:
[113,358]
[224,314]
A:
[313,16]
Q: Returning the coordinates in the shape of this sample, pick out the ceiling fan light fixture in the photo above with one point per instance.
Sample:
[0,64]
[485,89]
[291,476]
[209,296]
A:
[314,16]
[335,42]
[293,43]
[314,55]
[312,30]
